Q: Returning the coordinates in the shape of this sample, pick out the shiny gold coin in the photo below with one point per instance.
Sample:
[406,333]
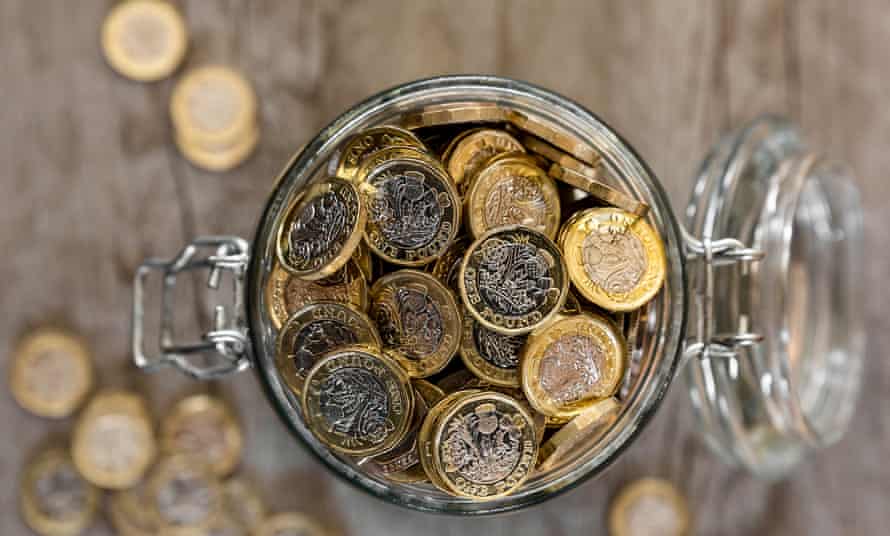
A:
[492,356]
[242,503]
[513,280]
[578,433]
[558,138]
[565,160]
[203,427]
[447,266]
[337,380]
[615,259]
[369,141]
[213,107]
[290,524]
[316,329]
[184,496]
[404,456]
[418,320]
[113,442]
[321,230]
[51,373]
[430,392]
[362,257]
[286,293]
[472,151]
[572,363]
[219,159]
[649,506]
[456,113]
[425,445]
[144,40]
[54,499]
[512,191]
[599,190]
[128,515]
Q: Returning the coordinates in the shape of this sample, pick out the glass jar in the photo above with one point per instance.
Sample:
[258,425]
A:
[773,236]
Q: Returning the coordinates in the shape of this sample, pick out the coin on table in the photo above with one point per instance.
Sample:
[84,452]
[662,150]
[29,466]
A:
[128,515]
[513,191]
[358,401]
[513,280]
[456,113]
[221,158]
[418,320]
[615,259]
[649,506]
[472,150]
[290,524]
[369,141]
[578,433]
[213,106]
[286,293]
[144,40]
[572,363]
[316,329]
[113,442]
[184,495]
[54,499]
[203,426]
[413,208]
[242,503]
[321,230]
[492,356]
[51,373]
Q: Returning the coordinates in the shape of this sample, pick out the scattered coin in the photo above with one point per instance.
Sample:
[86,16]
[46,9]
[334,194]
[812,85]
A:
[430,392]
[473,149]
[144,40]
[54,499]
[397,462]
[203,427]
[219,159]
[242,503]
[290,524]
[369,141]
[213,106]
[128,515]
[649,506]
[184,495]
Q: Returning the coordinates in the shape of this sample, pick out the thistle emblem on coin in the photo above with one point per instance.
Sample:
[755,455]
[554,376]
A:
[483,445]
[354,404]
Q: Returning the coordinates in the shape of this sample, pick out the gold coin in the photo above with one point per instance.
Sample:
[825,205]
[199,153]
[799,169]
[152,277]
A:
[455,113]
[286,293]
[473,150]
[222,159]
[425,435]
[242,503]
[430,392]
[316,329]
[649,506]
[513,280]
[51,373]
[614,259]
[54,499]
[492,356]
[363,258]
[128,515]
[213,107]
[447,266]
[144,40]
[578,433]
[599,190]
[113,442]
[418,320]
[369,141]
[202,426]
[341,377]
[322,229]
[564,141]
[572,363]
[564,160]
[290,524]
[184,496]
[512,191]
[404,456]
[224,525]
[456,381]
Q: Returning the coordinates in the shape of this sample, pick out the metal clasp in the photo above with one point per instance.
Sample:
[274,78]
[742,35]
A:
[225,348]
[708,254]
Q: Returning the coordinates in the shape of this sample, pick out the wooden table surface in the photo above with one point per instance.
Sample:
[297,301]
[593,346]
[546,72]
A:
[94,184]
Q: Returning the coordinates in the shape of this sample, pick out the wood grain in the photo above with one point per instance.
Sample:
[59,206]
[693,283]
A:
[94,184]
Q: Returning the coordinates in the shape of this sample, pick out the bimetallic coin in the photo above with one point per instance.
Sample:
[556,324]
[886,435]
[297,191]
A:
[447,266]
[128,514]
[455,113]
[316,329]
[322,229]
[51,373]
[184,496]
[369,141]
[649,507]
[222,158]
[572,363]
[203,427]
[413,210]
[144,40]
[213,106]
[54,499]
[425,445]
[560,139]
[513,280]
[578,433]
[492,356]
[614,259]
[113,442]
[290,524]
[513,191]
[418,320]
[242,503]
[473,150]
[404,456]
[358,401]
[286,293]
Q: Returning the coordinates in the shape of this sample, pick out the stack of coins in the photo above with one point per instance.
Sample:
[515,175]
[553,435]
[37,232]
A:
[467,229]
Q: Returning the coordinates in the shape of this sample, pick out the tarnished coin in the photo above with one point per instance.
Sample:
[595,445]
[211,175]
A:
[615,259]
[221,158]
[492,356]
[54,499]
[113,442]
[51,373]
[184,496]
[513,191]
[559,138]
[454,113]
[649,507]
[213,107]
[447,266]
[513,280]
[286,293]
[290,524]
[418,320]
[203,427]
[322,229]
[128,515]
[572,363]
[484,446]
[242,503]
[413,209]
[473,149]
[578,433]
[369,141]
[144,40]
[358,401]
[316,329]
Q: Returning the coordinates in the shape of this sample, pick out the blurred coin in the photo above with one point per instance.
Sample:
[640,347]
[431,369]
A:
[649,507]
[369,141]
[213,107]
[202,426]
[128,515]
[473,149]
[456,112]
[290,524]
[55,500]
[578,432]
[219,159]
[51,373]
[144,40]
[242,503]
[184,496]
